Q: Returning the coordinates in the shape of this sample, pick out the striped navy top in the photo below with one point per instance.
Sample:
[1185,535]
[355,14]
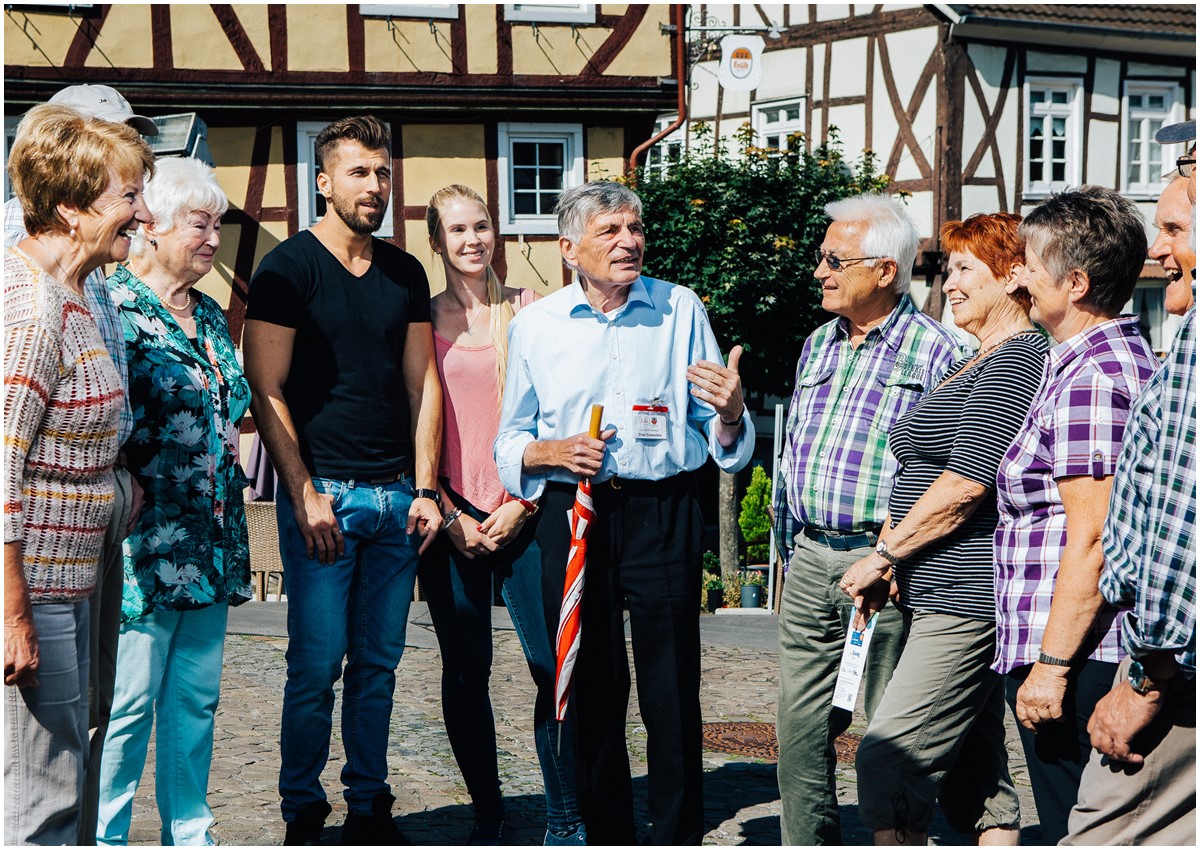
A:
[964,426]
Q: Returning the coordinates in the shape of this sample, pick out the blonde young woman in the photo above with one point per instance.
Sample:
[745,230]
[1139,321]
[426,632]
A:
[489,534]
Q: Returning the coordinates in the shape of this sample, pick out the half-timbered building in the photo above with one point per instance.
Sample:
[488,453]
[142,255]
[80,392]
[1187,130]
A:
[516,100]
[970,108]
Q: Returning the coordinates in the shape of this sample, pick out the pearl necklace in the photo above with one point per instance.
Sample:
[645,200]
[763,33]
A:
[174,308]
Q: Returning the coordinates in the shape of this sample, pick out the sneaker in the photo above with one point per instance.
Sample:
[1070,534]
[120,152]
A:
[487,832]
[374,829]
[575,837]
[305,828]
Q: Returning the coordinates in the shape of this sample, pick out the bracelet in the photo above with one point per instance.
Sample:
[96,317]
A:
[1052,661]
[737,421]
[452,516]
[530,507]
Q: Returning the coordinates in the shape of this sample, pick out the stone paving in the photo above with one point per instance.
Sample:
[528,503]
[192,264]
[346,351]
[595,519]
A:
[740,677]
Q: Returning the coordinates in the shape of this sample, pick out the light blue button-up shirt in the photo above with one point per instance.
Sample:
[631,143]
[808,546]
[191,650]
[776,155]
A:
[564,356]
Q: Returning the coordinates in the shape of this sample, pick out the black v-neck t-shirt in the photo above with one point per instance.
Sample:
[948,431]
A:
[345,389]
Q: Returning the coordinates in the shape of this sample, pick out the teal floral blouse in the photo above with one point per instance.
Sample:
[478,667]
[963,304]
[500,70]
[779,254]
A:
[189,547]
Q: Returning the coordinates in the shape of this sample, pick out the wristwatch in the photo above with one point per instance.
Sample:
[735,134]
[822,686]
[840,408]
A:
[881,550]
[1140,681]
[424,493]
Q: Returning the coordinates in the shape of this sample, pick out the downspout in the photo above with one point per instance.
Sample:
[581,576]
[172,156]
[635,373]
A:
[681,83]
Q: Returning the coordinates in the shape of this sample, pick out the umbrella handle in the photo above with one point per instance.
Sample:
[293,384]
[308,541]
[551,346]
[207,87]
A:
[597,418]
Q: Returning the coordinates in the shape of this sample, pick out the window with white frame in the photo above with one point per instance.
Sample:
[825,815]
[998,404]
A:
[668,150]
[551,13]
[310,203]
[423,11]
[1053,137]
[537,162]
[10,133]
[1148,107]
[775,122]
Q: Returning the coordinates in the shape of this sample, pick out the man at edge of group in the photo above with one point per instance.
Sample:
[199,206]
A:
[635,345]
[1139,786]
[339,353]
[856,376]
[104,605]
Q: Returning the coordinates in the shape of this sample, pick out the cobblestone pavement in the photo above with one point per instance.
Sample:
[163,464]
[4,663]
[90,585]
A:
[742,800]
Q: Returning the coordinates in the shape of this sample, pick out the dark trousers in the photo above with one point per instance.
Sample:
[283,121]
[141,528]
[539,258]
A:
[644,555]
[1057,753]
[461,592]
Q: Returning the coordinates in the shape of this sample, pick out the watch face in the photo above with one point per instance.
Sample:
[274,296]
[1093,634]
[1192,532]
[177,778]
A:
[1138,680]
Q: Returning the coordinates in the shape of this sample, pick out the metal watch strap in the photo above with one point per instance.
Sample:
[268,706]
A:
[881,550]
[452,516]
[424,493]
[1052,661]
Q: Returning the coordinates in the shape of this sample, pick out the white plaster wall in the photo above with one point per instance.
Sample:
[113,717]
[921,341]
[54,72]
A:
[783,75]
[852,129]
[1037,61]
[980,199]
[848,72]
[832,11]
[920,209]
[1103,154]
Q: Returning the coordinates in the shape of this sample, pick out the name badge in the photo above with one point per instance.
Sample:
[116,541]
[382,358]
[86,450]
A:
[650,421]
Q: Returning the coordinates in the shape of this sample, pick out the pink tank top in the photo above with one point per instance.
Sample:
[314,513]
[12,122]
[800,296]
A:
[471,418]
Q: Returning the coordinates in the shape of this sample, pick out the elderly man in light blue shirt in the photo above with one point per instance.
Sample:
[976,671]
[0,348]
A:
[643,348]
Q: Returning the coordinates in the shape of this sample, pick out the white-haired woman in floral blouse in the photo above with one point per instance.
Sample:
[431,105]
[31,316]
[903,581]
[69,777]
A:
[187,558]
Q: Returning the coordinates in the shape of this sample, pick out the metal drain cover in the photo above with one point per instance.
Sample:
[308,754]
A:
[757,740]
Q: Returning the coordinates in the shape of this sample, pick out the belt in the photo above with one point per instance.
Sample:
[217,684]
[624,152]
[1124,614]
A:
[378,482]
[630,486]
[840,542]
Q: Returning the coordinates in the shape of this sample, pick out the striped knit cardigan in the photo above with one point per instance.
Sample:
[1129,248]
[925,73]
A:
[62,398]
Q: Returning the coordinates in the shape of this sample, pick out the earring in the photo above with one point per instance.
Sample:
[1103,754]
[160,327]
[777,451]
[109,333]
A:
[154,244]
[72,232]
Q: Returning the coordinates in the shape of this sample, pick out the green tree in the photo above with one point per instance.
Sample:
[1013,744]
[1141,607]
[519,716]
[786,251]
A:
[753,519]
[740,230]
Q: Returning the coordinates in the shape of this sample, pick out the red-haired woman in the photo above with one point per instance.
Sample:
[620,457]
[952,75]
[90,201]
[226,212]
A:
[938,733]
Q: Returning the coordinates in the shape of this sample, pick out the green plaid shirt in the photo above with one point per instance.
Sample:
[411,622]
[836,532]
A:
[836,471]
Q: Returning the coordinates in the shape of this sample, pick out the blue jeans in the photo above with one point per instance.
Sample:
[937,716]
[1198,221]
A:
[354,609]
[460,591]
[169,675]
[46,733]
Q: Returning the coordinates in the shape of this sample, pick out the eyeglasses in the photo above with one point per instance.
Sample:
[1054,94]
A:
[835,262]
[1186,165]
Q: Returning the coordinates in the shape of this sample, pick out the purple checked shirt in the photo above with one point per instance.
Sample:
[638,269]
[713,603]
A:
[1075,427]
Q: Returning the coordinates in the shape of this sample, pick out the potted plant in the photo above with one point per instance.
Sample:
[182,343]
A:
[714,590]
[752,588]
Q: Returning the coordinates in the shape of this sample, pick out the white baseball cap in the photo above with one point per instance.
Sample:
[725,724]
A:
[105,103]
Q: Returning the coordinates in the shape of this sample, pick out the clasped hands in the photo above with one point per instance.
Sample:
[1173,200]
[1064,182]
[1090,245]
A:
[866,584]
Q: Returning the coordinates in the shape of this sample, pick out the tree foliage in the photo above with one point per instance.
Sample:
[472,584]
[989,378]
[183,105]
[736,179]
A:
[754,519]
[740,230]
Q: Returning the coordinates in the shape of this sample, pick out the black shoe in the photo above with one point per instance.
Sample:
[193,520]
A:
[305,828]
[487,832]
[376,828]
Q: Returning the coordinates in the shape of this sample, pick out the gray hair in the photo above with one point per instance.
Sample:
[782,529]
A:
[1097,231]
[179,186]
[580,204]
[890,232]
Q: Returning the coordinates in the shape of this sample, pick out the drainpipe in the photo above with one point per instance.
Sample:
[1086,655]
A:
[677,10]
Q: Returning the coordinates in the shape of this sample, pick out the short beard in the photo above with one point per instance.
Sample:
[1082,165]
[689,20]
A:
[361,224]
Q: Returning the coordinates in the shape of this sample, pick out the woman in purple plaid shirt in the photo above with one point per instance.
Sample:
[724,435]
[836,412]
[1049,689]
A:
[1056,637]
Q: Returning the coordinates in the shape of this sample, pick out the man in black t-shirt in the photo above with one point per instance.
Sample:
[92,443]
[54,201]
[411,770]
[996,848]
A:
[339,353]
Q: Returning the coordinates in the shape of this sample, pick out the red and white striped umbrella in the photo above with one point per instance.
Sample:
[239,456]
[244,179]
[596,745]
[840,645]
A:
[580,518]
